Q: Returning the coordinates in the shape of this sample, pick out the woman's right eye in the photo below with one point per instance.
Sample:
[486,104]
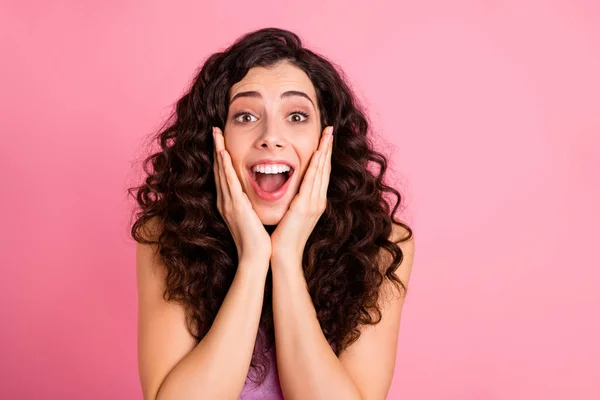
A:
[244,117]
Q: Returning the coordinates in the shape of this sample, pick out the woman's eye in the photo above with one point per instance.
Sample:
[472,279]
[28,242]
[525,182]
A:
[245,117]
[298,117]
[295,117]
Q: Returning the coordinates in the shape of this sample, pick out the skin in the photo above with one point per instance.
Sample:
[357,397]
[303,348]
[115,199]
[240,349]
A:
[271,129]
[308,368]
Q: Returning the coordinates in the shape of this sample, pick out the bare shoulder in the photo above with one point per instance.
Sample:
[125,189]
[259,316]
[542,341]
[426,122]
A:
[149,268]
[163,337]
[400,235]
[151,230]
[150,271]
[370,361]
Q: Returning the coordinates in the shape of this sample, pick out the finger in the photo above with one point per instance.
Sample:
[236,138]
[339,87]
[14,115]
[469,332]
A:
[233,181]
[309,176]
[225,190]
[323,147]
[216,170]
[229,174]
[327,169]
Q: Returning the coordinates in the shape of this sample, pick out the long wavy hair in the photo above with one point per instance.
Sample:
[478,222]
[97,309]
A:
[342,258]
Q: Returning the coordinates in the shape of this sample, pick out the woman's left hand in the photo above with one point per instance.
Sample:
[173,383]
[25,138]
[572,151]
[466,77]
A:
[292,232]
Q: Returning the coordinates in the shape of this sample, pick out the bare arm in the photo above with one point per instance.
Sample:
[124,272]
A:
[171,364]
[308,367]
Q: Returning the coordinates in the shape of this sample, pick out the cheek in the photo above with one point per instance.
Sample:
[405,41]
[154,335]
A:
[309,150]
[307,145]
[235,149]
[237,159]
[306,155]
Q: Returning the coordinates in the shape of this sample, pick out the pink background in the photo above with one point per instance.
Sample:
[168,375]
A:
[493,108]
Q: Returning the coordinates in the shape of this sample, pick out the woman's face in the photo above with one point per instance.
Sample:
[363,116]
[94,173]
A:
[273,116]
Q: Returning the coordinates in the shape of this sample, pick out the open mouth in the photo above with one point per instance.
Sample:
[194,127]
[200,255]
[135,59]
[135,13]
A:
[270,183]
[270,187]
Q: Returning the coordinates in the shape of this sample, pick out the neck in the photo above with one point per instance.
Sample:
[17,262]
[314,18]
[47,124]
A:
[270,228]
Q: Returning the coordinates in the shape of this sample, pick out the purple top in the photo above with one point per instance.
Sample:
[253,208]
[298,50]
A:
[270,388]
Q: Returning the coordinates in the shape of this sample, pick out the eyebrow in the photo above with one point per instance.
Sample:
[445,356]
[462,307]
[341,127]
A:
[256,95]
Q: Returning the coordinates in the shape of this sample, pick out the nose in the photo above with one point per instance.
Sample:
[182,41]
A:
[272,136]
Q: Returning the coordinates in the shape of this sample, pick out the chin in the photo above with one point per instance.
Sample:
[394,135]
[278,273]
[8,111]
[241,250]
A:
[270,215]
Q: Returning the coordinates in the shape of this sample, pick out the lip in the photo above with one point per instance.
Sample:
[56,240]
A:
[279,193]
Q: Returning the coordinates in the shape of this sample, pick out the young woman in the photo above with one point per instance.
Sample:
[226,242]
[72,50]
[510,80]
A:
[269,263]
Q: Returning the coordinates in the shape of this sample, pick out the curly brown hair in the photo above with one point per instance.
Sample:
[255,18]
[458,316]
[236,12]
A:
[342,258]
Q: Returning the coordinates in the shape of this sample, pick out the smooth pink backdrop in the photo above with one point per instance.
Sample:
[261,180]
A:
[493,109]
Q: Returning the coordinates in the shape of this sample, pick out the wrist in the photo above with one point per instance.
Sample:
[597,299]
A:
[286,259]
[254,264]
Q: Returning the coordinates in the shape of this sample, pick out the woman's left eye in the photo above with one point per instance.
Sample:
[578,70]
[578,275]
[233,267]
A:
[299,116]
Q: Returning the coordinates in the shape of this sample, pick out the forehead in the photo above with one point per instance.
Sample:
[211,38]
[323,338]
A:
[274,80]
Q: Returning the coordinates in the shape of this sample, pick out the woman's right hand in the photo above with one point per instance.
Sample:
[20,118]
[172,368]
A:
[250,236]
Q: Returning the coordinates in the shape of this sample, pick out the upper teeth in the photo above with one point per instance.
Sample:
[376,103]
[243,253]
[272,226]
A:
[271,168]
